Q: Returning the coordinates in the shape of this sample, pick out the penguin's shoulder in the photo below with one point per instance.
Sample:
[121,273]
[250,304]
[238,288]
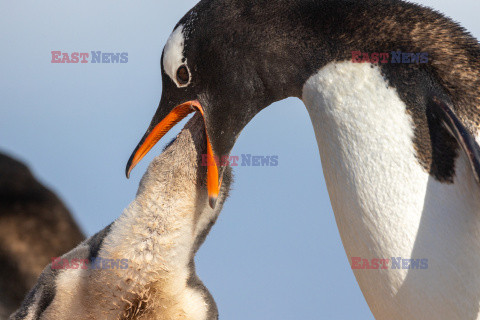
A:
[44,292]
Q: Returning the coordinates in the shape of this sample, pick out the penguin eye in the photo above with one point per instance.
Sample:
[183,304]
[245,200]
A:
[183,77]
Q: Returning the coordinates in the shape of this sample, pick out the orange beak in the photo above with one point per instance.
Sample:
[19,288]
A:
[176,115]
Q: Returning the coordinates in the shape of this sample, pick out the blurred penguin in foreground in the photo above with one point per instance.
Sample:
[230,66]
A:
[35,226]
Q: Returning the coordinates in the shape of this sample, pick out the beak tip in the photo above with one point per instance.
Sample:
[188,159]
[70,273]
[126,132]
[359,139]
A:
[128,169]
[212,201]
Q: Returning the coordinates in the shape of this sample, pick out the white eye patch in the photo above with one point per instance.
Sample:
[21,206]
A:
[173,55]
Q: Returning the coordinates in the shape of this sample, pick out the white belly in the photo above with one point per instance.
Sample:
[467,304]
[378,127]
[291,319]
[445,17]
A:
[386,205]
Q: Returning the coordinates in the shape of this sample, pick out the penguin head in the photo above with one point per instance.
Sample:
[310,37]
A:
[221,61]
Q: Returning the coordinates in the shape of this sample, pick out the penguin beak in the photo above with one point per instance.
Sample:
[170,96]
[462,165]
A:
[157,131]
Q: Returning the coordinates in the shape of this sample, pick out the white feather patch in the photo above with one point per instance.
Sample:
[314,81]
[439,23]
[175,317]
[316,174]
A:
[173,54]
[386,205]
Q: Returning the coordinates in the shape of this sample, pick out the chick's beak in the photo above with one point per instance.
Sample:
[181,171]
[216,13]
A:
[159,130]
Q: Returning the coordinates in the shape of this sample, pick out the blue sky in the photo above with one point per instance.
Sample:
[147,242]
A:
[275,252]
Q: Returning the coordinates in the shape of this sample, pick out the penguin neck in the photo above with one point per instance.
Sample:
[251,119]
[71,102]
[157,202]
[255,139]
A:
[159,234]
[160,230]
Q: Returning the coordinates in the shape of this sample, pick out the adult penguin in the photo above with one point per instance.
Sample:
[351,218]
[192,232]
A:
[397,136]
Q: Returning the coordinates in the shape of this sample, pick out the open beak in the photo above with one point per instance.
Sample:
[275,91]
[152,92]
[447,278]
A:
[149,140]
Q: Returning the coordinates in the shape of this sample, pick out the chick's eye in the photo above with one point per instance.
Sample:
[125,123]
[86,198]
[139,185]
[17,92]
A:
[182,75]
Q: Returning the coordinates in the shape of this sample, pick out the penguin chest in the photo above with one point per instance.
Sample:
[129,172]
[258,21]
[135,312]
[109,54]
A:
[386,205]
